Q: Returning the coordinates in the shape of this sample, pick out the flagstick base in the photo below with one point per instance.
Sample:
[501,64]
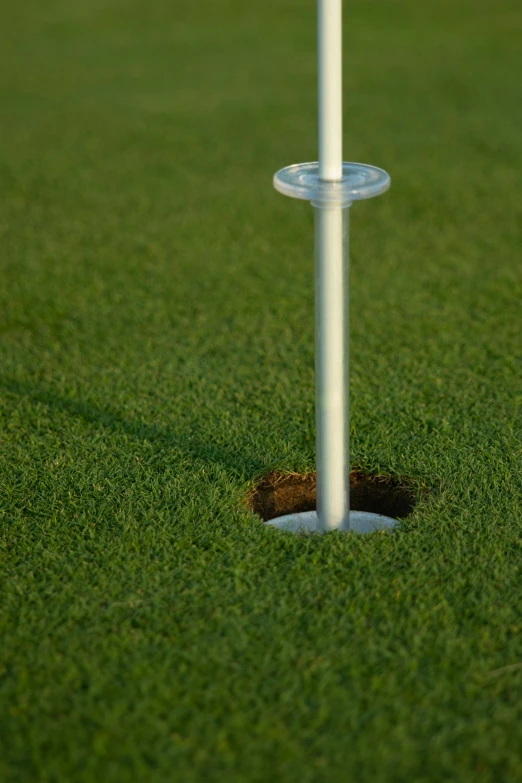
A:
[358,181]
[308,522]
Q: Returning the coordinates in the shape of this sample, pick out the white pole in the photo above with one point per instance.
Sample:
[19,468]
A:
[331,186]
[332,452]
[331,370]
[329,39]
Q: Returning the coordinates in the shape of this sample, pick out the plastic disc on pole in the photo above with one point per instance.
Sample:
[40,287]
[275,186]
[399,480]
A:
[359,181]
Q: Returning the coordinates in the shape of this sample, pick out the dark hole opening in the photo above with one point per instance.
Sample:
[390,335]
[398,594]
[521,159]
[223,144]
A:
[277,494]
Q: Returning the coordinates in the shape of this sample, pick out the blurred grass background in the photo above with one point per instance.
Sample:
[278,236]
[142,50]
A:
[157,358]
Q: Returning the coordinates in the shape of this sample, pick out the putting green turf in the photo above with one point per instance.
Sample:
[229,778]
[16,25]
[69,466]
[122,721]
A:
[157,358]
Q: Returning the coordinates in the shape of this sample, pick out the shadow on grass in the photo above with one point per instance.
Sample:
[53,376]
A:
[237,461]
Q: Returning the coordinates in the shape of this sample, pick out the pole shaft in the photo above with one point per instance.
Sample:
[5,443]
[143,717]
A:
[331,370]
[329,20]
[331,286]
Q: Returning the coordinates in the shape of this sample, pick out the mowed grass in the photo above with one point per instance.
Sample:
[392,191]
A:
[157,359]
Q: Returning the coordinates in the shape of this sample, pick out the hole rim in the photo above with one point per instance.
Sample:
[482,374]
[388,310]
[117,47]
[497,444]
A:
[278,493]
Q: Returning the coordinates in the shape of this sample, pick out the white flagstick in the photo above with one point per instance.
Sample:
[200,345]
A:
[331,186]
[331,379]
[331,371]
[329,60]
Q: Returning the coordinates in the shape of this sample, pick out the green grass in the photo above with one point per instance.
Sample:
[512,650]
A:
[157,358]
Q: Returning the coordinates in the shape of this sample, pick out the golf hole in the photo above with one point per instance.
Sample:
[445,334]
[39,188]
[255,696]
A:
[279,494]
